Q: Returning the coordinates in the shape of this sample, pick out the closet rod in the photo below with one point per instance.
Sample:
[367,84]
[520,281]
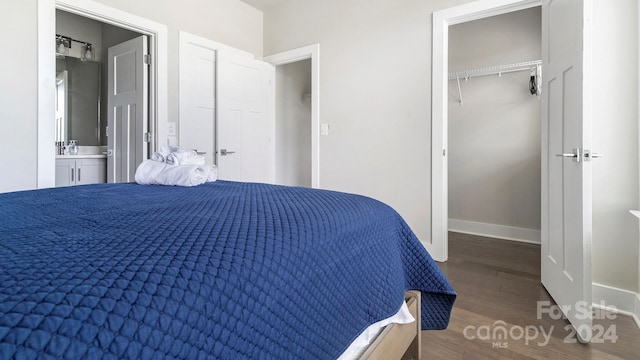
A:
[493,70]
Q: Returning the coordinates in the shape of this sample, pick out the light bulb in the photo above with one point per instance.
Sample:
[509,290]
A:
[61,49]
[88,54]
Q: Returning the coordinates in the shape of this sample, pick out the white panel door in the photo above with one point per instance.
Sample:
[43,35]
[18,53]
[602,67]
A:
[127,109]
[246,126]
[566,185]
[198,99]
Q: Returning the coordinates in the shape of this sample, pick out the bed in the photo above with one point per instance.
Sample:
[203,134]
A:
[223,270]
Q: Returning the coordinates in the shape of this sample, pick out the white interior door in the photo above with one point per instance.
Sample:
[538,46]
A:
[566,186]
[245,126]
[128,115]
[198,99]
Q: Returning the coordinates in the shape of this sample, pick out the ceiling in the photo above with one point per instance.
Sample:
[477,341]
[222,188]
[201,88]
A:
[264,4]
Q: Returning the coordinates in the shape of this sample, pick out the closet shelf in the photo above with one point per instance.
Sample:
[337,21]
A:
[494,70]
[533,66]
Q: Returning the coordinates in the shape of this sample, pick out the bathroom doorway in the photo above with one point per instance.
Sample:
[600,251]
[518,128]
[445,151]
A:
[85,109]
[155,62]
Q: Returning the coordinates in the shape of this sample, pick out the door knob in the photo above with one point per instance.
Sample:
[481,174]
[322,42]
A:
[575,155]
[225,152]
[588,155]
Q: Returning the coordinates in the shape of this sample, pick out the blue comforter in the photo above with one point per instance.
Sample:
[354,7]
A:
[223,270]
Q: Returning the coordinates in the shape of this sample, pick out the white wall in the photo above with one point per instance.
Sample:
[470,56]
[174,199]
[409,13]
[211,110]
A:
[19,102]
[293,124]
[227,21]
[231,22]
[615,134]
[494,137]
[375,80]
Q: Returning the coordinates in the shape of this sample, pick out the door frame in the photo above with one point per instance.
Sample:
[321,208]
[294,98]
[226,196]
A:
[303,53]
[187,39]
[439,245]
[158,83]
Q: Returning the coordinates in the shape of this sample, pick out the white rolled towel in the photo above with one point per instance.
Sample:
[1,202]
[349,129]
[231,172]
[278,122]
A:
[184,158]
[158,156]
[151,172]
[163,152]
[213,173]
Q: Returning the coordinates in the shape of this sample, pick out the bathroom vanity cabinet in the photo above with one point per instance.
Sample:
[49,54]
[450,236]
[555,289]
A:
[78,170]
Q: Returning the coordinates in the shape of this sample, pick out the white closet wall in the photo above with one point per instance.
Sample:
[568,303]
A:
[494,137]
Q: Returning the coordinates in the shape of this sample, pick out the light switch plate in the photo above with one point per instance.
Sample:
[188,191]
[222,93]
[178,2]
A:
[324,129]
[171,128]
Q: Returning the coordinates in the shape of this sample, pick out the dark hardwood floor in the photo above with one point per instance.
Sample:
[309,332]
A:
[496,313]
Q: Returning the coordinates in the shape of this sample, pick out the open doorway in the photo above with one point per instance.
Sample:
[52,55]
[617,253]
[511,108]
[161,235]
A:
[442,20]
[494,127]
[293,123]
[302,67]
[157,95]
[83,49]
[566,130]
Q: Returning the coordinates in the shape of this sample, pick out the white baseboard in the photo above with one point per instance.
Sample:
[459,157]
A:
[619,301]
[495,231]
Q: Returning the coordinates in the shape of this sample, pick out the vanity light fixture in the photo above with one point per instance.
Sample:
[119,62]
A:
[63,44]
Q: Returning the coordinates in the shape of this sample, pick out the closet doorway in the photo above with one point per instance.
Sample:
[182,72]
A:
[494,138]
[442,20]
[297,116]
[566,200]
[293,123]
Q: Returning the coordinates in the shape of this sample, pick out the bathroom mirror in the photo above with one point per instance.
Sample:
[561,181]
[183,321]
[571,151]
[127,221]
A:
[78,101]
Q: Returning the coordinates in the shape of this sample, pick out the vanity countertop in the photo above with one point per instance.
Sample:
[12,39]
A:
[82,156]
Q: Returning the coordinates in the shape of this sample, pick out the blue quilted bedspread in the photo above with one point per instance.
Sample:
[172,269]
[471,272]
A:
[223,270]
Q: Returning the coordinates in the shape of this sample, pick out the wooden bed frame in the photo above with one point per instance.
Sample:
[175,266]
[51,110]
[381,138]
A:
[399,341]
